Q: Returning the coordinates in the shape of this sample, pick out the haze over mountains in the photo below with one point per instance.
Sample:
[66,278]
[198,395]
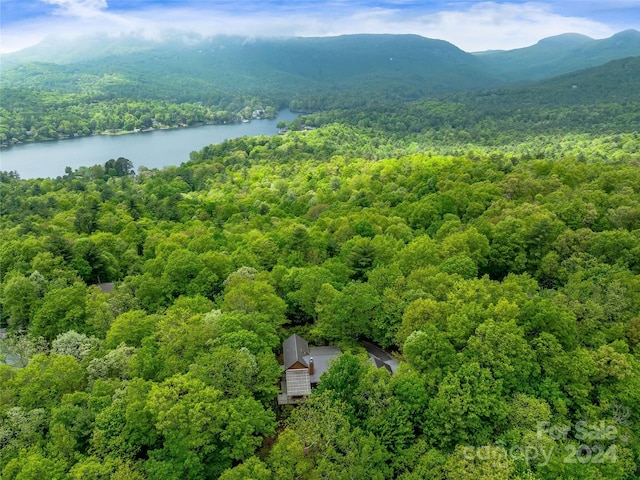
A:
[403,66]
[113,85]
[561,54]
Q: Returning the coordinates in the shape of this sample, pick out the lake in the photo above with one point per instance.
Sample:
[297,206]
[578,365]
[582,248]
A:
[157,149]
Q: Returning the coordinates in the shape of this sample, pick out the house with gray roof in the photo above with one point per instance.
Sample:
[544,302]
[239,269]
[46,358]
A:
[303,366]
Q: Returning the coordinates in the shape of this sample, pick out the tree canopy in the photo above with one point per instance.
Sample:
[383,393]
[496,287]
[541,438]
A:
[503,273]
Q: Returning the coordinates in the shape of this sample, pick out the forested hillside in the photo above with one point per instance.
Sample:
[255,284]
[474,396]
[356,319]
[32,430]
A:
[561,54]
[604,99]
[128,84]
[600,100]
[508,285]
[193,70]
[489,239]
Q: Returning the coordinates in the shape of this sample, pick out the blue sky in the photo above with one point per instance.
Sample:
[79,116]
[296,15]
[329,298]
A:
[471,25]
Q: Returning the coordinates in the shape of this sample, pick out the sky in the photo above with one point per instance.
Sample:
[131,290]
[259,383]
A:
[470,25]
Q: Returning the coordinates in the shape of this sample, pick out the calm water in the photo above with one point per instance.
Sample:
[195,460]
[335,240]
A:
[153,149]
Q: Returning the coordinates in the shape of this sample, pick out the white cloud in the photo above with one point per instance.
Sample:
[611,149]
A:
[490,25]
[479,26]
[482,26]
[79,8]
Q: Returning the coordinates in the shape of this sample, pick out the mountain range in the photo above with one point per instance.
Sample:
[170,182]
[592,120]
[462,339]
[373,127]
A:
[405,67]
[560,54]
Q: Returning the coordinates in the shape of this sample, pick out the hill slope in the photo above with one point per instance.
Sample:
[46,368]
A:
[560,54]
[398,66]
[601,100]
[403,65]
[617,81]
[224,79]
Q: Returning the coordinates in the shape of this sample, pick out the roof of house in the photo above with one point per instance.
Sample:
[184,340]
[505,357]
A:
[322,357]
[298,382]
[106,287]
[376,361]
[380,358]
[298,379]
[294,349]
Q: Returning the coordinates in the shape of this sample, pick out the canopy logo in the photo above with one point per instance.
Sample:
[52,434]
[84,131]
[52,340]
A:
[582,442]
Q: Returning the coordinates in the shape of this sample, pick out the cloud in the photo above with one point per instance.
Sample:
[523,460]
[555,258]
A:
[480,26]
[79,8]
[472,26]
[490,25]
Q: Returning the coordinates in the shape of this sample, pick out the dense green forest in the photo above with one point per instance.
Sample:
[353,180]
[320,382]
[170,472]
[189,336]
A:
[128,84]
[489,239]
[560,54]
[598,100]
[38,115]
[604,99]
[507,283]
[222,79]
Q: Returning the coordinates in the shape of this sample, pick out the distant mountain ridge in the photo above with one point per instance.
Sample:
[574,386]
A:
[406,66]
[285,70]
[560,54]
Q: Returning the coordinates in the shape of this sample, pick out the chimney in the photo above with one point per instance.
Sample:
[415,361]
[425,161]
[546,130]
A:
[311,369]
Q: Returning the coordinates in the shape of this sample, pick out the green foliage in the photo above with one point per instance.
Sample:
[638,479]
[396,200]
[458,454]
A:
[501,348]
[252,468]
[468,409]
[503,274]
[560,54]
[75,344]
[131,328]
[18,297]
[203,433]
[429,351]
[46,378]
[238,372]
[253,296]
[31,466]
[320,439]
[350,313]
[62,309]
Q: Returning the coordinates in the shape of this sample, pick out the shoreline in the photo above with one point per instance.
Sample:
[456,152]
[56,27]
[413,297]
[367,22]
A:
[49,159]
[129,132]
